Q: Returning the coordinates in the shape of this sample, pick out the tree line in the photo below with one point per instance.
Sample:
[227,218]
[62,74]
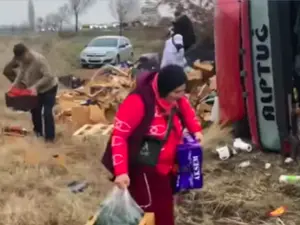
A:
[126,11]
[63,15]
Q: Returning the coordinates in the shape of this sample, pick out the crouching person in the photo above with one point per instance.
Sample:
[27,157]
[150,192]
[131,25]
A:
[35,74]
[142,149]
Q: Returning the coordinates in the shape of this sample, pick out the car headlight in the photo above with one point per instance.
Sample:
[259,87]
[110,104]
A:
[82,54]
[111,54]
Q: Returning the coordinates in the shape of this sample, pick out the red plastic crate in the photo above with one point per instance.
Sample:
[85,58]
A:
[21,99]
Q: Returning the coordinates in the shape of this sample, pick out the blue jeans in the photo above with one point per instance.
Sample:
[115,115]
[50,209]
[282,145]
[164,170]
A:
[44,124]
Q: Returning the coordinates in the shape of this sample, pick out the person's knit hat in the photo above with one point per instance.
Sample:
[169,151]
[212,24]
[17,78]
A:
[169,78]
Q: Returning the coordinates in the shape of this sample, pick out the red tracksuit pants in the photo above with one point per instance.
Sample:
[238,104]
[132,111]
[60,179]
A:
[153,193]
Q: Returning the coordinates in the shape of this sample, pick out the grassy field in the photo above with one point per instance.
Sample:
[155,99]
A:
[34,185]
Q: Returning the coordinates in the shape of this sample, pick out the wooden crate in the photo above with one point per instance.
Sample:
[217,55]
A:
[148,219]
[90,129]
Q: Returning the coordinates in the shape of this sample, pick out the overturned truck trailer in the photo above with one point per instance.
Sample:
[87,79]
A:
[256,43]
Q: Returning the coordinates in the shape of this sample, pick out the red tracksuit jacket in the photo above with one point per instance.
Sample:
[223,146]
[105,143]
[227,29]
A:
[128,117]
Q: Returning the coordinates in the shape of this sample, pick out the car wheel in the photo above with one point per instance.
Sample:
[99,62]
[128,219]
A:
[117,61]
[131,56]
[84,66]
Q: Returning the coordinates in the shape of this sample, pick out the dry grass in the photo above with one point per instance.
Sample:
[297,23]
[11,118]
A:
[233,195]
[241,196]
[34,186]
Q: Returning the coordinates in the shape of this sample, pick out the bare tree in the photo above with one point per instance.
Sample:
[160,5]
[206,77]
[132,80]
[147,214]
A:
[78,7]
[40,23]
[150,12]
[51,22]
[31,15]
[63,15]
[124,11]
[165,22]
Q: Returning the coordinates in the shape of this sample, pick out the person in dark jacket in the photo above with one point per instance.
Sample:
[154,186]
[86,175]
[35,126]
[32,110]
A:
[184,26]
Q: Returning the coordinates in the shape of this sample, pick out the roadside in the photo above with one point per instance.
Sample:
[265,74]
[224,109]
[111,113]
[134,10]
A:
[35,183]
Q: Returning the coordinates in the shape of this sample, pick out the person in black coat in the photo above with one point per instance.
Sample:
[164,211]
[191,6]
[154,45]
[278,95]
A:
[184,26]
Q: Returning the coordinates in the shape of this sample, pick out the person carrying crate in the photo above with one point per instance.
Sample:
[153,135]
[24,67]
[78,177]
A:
[35,75]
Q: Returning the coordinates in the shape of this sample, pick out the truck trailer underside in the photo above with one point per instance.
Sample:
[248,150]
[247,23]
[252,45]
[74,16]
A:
[256,47]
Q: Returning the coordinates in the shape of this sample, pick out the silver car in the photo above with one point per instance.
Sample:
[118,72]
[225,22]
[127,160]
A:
[106,50]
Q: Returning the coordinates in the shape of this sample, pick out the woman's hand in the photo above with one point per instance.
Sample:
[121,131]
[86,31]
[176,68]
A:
[122,181]
[199,136]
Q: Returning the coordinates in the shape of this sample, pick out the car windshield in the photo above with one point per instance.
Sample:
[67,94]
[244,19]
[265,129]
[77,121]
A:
[104,42]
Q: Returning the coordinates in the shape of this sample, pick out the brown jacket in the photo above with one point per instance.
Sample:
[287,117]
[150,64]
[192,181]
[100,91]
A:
[9,70]
[36,74]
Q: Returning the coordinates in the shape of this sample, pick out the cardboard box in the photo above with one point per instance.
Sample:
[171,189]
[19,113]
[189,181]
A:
[80,116]
[97,114]
[148,219]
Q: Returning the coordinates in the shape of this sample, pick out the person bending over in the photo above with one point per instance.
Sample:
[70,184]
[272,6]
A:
[35,74]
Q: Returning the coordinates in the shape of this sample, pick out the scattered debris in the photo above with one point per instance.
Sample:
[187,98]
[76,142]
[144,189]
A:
[71,81]
[15,131]
[59,159]
[224,152]
[92,220]
[238,143]
[244,164]
[76,186]
[97,100]
[278,212]
[148,219]
[288,160]
[289,179]
[90,129]
[91,108]
[201,88]
[267,166]
[234,151]
[215,111]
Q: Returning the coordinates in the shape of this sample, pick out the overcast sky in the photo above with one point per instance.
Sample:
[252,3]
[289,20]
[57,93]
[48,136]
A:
[15,11]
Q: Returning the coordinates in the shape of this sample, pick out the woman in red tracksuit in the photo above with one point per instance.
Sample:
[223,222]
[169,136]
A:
[151,187]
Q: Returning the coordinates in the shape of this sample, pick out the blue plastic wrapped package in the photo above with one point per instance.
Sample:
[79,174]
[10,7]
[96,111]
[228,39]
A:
[119,209]
[189,159]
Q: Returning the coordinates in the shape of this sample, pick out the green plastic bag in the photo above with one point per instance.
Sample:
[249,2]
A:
[119,209]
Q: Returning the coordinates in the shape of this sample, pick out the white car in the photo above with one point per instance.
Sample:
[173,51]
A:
[106,50]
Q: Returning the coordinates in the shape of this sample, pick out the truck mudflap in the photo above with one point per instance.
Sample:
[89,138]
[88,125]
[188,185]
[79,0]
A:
[268,80]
